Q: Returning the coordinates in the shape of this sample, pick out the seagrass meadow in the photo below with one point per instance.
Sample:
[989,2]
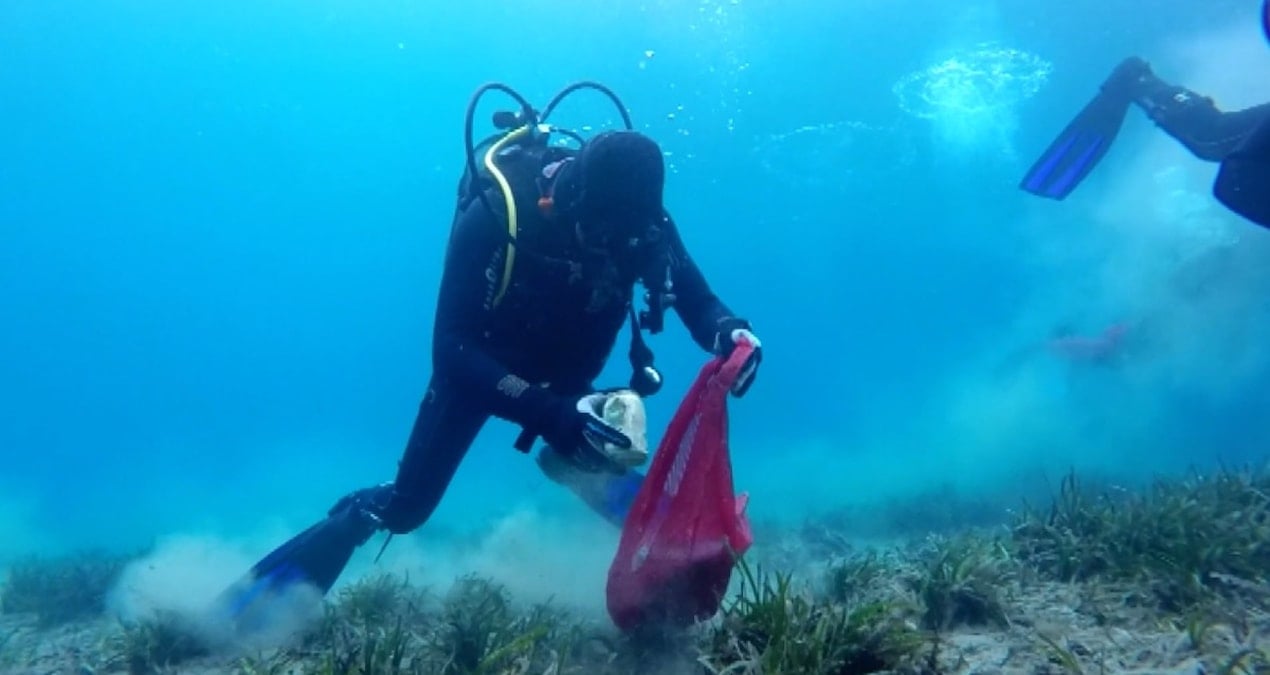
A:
[1165,577]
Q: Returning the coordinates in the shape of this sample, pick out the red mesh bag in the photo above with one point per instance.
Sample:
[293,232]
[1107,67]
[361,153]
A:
[686,528]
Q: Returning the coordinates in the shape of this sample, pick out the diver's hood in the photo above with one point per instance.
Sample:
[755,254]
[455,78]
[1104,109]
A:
[613,188]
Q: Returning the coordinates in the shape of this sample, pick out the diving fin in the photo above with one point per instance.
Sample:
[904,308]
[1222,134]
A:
[307,564]
[1075,152]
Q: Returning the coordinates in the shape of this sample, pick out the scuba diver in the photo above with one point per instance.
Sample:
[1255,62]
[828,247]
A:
[545,248]
[1107,347]
[1238,140]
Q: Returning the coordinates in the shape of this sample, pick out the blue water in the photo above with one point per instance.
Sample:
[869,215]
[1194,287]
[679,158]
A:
[221,226]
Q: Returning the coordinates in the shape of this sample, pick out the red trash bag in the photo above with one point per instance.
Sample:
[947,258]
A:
[685,528]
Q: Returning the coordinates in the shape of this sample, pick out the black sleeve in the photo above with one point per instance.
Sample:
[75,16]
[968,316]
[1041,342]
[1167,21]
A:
[472,274]
[1209,133]
[696,304]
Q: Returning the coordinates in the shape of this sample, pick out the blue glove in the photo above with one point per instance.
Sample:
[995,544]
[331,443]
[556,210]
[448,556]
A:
[733,331]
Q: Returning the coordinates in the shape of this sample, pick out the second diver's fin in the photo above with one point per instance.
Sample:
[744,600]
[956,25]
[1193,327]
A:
[1075,152]
[313,558]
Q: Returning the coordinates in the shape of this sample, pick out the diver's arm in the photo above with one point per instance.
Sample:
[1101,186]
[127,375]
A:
[696,304]
[1206,131]
[472,274]
[1193,119]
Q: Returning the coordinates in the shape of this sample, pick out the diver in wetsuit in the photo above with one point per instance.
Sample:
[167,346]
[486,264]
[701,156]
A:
[538,281]
[1238,140]
[532,359]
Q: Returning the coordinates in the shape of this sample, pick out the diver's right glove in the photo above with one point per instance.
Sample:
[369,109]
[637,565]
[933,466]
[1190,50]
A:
[730,332]
[577,431]
[1131,80]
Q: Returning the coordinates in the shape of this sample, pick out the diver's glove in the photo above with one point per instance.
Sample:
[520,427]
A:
[1134,81]
[731,332]
[578,432]
[1131,79]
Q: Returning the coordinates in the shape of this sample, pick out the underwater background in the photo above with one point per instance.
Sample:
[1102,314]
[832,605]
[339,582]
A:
[221,229]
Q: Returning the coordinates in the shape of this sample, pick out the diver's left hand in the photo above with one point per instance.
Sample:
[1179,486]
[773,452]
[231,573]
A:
[733,331]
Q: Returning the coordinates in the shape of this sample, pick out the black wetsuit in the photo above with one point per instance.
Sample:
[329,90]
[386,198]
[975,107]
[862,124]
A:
[549,336]
[1209,133]
[1239,140]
